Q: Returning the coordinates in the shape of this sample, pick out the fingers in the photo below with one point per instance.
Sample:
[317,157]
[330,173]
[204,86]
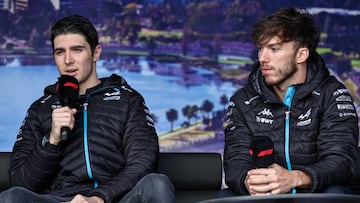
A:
[274,179]
[61,117]
[261,188]
[262,182]
[64,117]
[83,199]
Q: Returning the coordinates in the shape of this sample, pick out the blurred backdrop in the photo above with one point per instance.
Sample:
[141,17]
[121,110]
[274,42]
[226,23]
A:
[187,57]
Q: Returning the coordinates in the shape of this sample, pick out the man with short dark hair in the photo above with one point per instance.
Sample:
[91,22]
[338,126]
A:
[112,148]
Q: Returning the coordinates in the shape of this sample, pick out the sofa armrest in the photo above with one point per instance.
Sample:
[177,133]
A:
[4,170]
[192,171]
[355,181]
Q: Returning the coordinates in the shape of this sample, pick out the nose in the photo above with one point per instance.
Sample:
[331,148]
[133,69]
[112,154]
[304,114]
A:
[68,58]
[263,55]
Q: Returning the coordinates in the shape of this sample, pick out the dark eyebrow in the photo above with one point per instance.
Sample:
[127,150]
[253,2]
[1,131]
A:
[58,49]
[274,44]
[77,47]
[73,47]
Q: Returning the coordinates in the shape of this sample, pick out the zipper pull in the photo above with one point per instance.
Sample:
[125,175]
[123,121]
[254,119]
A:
[287,114]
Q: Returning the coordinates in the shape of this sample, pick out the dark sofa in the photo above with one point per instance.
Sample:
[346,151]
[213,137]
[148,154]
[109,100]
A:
[196,176]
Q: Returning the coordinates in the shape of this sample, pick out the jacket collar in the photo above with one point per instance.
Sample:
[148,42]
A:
[316,73]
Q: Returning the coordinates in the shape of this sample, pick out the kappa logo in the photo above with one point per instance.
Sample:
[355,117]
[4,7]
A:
[265,112]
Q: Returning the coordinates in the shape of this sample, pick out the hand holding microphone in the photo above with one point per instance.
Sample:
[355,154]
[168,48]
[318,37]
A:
[261,151]
[68,92]
[268,177]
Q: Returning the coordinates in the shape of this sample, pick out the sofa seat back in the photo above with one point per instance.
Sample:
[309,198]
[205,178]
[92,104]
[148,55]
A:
[196,176]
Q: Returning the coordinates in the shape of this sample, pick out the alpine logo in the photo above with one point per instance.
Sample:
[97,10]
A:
[305,119]
[111,96]
[305,116]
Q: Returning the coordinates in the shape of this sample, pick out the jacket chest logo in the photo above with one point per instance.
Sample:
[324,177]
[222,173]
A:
[304,119]
[110,96]
[264,116]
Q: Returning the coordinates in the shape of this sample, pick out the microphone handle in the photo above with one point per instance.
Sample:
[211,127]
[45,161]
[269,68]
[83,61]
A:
[65,133]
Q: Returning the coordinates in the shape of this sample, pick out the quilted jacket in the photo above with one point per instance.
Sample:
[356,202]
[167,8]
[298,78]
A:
[112,146]
[323,128]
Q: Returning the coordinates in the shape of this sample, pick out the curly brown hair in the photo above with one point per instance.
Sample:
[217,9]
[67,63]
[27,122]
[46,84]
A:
[289,24]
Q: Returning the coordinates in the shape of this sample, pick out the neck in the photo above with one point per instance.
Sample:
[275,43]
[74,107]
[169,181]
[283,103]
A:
[280,92]
[298,78]
[87,85]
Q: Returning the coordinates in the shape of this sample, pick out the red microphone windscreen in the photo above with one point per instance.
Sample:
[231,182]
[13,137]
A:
[261,150]
[68,90]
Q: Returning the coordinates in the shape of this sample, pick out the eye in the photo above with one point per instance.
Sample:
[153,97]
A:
[77,50]
[275,49]
[58,52]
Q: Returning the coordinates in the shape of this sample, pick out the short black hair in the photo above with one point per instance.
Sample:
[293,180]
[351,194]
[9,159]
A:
[75,24]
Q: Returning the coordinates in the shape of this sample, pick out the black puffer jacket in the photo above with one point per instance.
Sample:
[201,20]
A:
[323,128]
[113,144]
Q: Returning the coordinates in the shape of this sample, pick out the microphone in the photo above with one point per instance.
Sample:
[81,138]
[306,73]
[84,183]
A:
[261,151]
[68,92]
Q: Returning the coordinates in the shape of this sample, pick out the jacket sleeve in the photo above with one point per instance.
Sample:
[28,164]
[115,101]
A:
[337,140]
[141,150]
[33,165]
[237,161]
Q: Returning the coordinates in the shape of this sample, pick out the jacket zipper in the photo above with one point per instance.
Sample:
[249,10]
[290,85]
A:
[290,92]
[85,136]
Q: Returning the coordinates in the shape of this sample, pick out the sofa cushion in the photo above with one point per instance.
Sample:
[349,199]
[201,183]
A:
[4,170]
[192,171]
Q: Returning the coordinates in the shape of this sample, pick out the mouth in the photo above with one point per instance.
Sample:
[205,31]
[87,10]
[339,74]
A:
[266,70]
[71,72]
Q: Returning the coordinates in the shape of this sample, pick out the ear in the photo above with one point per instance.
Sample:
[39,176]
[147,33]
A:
[97,53]
[302,55]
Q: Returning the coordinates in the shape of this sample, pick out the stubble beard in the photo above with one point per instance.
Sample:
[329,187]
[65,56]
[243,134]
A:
[282,74]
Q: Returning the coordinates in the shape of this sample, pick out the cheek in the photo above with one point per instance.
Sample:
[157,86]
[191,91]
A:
[84,62]
[59,62]
[86,67]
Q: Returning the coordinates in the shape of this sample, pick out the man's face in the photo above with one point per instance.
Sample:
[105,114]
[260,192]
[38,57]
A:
[73,57]
[277,62]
